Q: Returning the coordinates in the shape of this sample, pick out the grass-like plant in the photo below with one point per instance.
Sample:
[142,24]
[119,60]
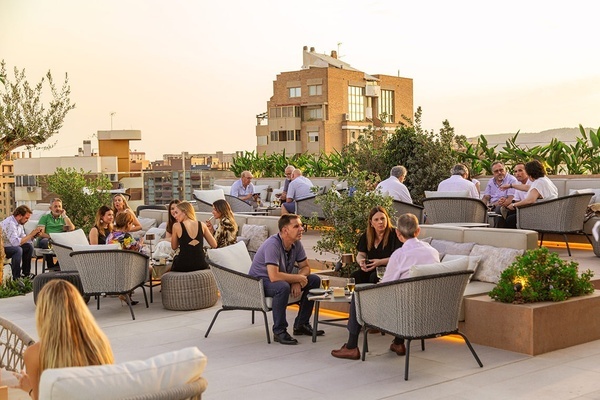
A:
[543,276]
[16,287]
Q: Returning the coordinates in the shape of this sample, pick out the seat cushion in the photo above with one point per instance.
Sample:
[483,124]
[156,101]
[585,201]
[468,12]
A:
[129,379]
[234,257]
[256,235]
[210,196]
[494,260]
[69,239]
[460,264]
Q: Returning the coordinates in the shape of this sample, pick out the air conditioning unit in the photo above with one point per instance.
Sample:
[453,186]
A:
[345,117]
[31,189]
[373,91]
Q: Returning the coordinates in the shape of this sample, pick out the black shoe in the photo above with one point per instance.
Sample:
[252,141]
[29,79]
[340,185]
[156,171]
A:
[307,330]
[284,338]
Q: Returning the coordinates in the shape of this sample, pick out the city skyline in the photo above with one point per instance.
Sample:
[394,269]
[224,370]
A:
[193,75]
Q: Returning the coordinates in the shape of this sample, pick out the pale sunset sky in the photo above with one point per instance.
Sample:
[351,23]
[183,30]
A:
[192,75]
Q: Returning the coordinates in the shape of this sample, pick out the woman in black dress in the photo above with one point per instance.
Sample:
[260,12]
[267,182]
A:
[375,246]
[188,235]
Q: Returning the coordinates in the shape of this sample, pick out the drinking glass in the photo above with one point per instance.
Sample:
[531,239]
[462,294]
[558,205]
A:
[351,285]
[380,272]
[325,283]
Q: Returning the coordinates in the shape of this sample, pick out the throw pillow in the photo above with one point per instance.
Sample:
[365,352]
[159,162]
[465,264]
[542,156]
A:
[209,196]
[225,189]
[256,234]
[473,261]
[448,247]
[494,260]
[460,264]
[458,193]
[69,239]
[147,223]
[158,235]
[234,257]
[30,225]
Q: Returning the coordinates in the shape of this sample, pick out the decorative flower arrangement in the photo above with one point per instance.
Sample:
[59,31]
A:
[540,275]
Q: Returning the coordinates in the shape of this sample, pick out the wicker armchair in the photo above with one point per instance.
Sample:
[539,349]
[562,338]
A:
[562,215]
[201,205]
[63,254]
[430,309]
[402,207]
[440,210]
[237,205]
[308,208]
[112,272]
[13,342]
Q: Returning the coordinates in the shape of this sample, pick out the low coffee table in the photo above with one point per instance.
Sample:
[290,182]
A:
[329,299]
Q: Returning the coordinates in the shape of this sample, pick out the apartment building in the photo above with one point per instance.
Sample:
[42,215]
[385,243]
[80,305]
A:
[327,104]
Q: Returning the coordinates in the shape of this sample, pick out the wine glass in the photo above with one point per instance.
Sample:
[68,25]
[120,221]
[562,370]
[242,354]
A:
[380,272]
[351,284]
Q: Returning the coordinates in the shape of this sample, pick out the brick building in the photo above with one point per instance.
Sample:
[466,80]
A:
[327,104]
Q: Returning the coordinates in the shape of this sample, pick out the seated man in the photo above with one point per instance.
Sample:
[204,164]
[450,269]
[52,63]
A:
[413,252]
[54,222]
[299,188]
[494,194]
[275,263]
[394,185]
[458,182]
[17,245]
[243,188]
[288,178]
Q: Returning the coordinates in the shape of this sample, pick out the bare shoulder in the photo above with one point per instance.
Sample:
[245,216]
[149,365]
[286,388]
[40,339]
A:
[32,352]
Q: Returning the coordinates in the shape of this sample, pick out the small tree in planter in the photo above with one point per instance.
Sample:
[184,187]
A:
[346,215]
[539,275]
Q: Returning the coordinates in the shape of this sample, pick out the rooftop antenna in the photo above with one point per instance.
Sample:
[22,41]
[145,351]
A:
[339,46]
[112,114]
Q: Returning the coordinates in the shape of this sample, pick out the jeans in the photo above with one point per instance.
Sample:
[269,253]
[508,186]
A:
[49,258]
[20,257]
[280,292]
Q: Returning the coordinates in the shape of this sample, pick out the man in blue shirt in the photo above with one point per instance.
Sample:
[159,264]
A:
[243,187]
[282,265]
[18,245]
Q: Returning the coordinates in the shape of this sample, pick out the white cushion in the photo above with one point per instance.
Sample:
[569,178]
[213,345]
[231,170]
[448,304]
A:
[163,225]
[226,189]
[458,193]
[448,247]
[473,261]
[95,247]
[460,264]
[128,379]
[595,198]
[256,234]
[234,257]
[158,235]
[147,223]
[69,239]
[210,196]
[30,225]
[494,260]
[37,214]
[262,189]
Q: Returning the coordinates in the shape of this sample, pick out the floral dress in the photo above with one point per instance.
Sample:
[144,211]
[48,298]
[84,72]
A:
[124,240]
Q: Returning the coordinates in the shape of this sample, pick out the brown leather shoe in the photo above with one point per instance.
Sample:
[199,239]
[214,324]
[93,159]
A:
[344,352]
[399,349]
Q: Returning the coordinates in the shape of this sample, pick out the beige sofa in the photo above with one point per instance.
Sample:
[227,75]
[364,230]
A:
[494,249]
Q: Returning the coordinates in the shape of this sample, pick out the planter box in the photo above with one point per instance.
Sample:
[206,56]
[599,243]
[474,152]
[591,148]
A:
[534,328]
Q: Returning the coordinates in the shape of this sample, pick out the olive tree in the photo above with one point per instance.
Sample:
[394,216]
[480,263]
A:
[25,119]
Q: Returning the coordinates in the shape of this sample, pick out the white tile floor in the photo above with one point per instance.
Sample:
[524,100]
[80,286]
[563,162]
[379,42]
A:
[242,364]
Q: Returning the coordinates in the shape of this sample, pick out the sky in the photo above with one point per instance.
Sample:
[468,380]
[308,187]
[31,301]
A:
[193,74]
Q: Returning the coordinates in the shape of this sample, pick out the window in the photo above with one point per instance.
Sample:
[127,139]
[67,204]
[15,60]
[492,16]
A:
[284,112]
[274,136]
[386,106]
[313,137]
[290,136]
[275,112]
[262,140]
[315,113]
[315,90]
[295,92]
[297,135]
[356,103]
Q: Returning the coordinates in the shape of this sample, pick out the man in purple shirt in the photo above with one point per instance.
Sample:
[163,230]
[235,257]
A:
[281,264]
[413,252]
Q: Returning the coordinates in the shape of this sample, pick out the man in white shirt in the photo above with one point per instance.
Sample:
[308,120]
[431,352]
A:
[458,182]
[300,188]
[18,246]
[394,185]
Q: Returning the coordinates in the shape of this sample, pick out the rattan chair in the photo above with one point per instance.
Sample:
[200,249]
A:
[562,215]
[112,272]
[308,208]
[201,205]
[440,210]
[402,207]
[63,255]
[237,205]
[429,309]
[13,342]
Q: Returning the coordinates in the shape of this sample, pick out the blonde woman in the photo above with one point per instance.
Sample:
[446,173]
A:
[69,335]
[226,233]
[188,235]
[120,205]
[103,225]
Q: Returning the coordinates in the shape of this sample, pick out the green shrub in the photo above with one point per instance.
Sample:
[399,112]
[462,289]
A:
[16,287]
[544,276]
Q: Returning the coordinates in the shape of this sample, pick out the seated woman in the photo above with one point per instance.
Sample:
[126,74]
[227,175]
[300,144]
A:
[124,222]
[226,233]
[164,246]
[375,246]
[103,225]
[120,205]
[188,236]
[541,188]
[69,335]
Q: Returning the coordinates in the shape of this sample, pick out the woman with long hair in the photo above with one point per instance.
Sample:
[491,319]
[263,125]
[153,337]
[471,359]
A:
[69,335]
[172,206]
[103,226]
[188,236]
[375,246]
[120,205]
[226,233]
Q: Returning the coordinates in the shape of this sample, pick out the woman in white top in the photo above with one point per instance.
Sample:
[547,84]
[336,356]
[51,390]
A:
[120,205]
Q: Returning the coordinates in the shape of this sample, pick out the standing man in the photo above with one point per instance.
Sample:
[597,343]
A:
[394,185]
[458,182]
[493,193]
[243,187]
[300,188]
[17,245]
[275,263]
[54,222]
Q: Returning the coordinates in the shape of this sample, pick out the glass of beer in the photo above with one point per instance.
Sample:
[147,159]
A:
[351,285]
[325,283]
